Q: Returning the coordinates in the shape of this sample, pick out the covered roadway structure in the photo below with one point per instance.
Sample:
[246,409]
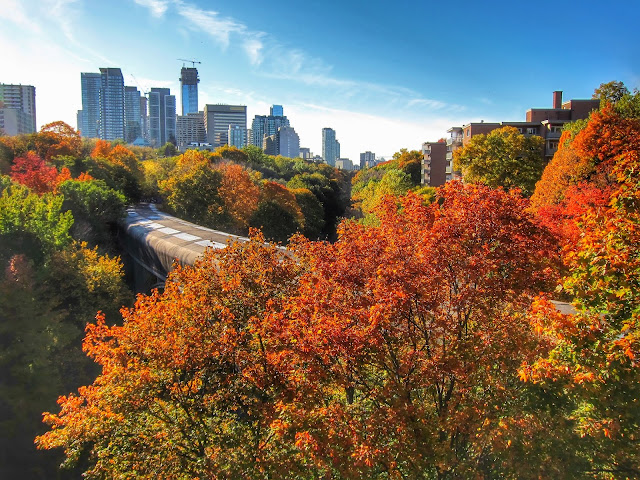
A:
[154,240]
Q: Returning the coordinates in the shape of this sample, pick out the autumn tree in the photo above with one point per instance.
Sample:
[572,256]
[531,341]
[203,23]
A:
[408,336]
[579,177]
[232,153]
[239,193]
[32,171]
[58,138]
[410,162]
[189,386]
[502,158]
[192,192]
[592,354]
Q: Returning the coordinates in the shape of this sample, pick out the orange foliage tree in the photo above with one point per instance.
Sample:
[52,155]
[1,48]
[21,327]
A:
[579,177]
[593,354]
[239,194]
[189,387]
[101,149]
[58,138]
[391,353]
[406,337]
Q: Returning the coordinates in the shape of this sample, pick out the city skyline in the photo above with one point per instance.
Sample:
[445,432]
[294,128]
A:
[379,89]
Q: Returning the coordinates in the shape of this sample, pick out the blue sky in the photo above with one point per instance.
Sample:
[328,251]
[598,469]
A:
[384,75]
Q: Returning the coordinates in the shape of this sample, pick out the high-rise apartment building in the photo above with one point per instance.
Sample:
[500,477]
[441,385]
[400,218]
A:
[270,145]
[132,115]
[288,142]
[189,90]
[237,136]
[144,118]
[367,159]
[267,124]
[218,118]
[17,109]
[162,117]
[190,130]
[89,116]
[111,121]
[330,146]
[305,153]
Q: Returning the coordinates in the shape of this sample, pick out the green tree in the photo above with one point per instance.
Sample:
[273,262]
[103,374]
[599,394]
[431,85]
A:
[502,158]
[276,222]
[95,207]
[193,193]
[394,182]
[50,288]
[610,92]
[312,211]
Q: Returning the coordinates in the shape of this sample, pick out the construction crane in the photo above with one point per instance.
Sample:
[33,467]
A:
[193,62]
[145,91]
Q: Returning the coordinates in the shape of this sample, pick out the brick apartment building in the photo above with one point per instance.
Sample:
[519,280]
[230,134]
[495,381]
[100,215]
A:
[544,122]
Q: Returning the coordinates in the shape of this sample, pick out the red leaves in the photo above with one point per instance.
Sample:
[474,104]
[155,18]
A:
[32,171]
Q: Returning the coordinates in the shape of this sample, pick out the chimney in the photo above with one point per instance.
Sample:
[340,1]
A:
[557,99]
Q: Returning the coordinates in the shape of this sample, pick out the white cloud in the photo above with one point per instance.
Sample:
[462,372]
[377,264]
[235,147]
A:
[157,7]
[253,48]
[211,23]
[62,13]
[271,59]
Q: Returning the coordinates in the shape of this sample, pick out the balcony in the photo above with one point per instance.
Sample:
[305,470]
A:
[454,140]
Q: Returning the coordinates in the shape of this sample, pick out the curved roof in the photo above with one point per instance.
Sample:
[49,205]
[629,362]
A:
[155,239]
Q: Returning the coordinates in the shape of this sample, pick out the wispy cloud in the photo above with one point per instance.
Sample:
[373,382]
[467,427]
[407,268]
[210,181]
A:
[253,47]
[269,58]
[14,12]
[212,23]
[157,7]
[63,14]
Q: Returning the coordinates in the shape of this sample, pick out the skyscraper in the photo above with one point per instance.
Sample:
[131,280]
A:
[288,142]
[89,116]
[190,130]
[111,104]
[330,146]
[132,115]
[189,90]
[17,109]
[267,125]
[162,116]
[218,118]
[367,159]
[144,119]
[237,136]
